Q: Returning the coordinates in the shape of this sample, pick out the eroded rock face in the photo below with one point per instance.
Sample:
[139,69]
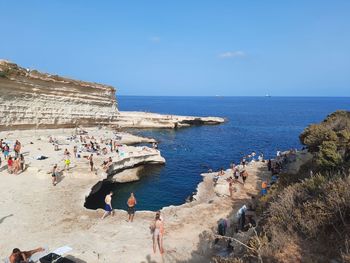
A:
[30,99]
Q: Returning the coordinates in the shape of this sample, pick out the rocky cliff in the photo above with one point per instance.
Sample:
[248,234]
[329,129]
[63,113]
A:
[30,99]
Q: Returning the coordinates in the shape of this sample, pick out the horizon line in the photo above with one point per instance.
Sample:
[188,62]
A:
[251,96]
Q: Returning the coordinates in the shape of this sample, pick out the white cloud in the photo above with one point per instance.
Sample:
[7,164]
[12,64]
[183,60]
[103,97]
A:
[232,54]
[155,39]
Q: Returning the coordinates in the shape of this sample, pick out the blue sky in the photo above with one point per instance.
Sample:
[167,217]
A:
[230,48]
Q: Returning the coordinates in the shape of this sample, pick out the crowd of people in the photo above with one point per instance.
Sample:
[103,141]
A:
[15,161]
[244,218]
[89,144]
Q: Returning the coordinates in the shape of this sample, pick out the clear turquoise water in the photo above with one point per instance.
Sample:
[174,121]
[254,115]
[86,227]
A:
[254,124]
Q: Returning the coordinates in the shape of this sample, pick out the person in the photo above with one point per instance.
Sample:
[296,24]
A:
[155,145]
[6,150]
[16,165]
[253,156]
[91,162]
[107,164]
[66,163]
[19,256]
[75,151]
[131,207]
[10,165]
[111,145]
[22,162]
[244,176]
[66,153]
[236,173]
[230,186]
[222,226]
[243,162]
[108,205]
[54,175]
[17,148]
[221,230]
[261,157]
[157,233]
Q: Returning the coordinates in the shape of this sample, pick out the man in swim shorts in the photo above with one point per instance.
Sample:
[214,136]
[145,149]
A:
[54,175]
[108,205]
[131,207]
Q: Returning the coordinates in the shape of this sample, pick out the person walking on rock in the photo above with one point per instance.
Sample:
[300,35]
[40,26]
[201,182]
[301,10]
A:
[54,175]
[108,205]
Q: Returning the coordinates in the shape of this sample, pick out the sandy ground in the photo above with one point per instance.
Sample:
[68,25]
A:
[34,213]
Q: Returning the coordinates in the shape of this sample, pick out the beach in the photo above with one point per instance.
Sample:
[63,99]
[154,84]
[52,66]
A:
[35,213]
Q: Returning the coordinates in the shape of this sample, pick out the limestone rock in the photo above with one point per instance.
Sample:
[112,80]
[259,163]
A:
[29,99]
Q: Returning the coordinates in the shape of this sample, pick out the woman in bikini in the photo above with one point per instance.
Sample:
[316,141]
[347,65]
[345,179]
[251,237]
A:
[158,232]
[16,165]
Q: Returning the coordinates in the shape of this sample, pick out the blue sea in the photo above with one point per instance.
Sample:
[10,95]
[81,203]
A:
[260,124]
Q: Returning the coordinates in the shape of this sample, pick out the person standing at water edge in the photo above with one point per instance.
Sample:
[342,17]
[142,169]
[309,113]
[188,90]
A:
[108,205]
[131,207]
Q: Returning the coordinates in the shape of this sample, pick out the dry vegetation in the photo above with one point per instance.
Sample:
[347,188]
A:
[305,217]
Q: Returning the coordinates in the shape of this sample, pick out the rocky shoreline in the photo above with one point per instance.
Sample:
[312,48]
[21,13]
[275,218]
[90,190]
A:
[55,216]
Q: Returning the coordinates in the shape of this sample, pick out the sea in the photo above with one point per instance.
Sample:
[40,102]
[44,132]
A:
[261,124]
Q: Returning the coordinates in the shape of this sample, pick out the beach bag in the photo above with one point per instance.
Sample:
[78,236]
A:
[54,258]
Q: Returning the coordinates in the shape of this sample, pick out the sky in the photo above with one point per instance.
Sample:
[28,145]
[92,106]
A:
[185,48]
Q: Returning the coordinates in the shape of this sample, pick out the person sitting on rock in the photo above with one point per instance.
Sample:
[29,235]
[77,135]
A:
[107,164]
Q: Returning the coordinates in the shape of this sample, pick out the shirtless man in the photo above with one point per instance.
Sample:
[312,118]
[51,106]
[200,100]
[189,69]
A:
[131,207]
[54,175]
[108,205]
[22,256]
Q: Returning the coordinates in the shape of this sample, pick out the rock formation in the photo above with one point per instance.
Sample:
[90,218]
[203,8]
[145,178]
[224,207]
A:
[136,119]
[29,99]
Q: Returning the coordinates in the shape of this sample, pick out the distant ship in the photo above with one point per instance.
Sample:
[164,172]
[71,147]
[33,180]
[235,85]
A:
[267,95]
